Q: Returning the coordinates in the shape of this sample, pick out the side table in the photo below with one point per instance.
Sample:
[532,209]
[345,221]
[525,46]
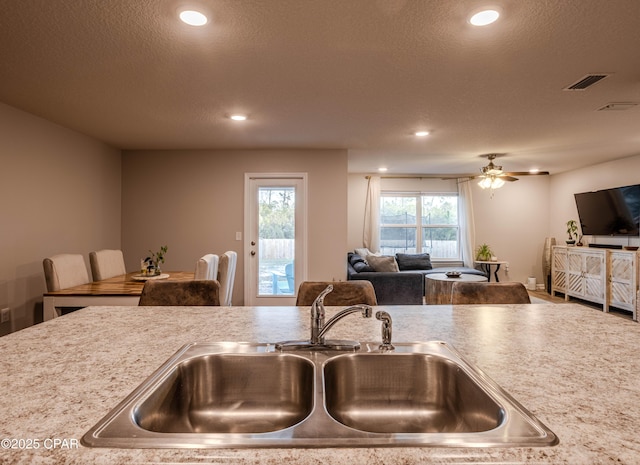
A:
[486,267]
[438,287]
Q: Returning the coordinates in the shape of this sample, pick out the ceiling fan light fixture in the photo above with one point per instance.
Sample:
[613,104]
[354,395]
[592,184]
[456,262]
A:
[497,183]
[491,182]
[491,169]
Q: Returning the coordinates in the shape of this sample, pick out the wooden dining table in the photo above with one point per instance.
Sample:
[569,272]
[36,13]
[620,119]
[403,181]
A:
[122,290]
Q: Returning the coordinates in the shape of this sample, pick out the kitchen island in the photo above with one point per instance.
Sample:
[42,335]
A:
[575,368]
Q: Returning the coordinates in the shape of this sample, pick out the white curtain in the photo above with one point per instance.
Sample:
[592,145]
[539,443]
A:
[371,231]
[467,223]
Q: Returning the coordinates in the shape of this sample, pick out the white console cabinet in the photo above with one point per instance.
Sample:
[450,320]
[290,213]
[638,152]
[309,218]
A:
[604,276]
[586,277]
[623,280]
[559,269]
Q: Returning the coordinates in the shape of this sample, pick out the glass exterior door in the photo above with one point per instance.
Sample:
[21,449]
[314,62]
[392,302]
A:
[276,239]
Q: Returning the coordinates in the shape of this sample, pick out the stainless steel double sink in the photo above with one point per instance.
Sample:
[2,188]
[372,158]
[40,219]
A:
[233,395]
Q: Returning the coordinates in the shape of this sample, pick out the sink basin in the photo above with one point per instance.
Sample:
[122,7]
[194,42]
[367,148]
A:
[407,393]
[425,394]
[230,393]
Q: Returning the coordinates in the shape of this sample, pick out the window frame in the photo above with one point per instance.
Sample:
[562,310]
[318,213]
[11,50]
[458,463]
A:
[418,225]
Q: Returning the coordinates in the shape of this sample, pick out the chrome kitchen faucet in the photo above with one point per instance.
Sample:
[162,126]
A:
[319,328]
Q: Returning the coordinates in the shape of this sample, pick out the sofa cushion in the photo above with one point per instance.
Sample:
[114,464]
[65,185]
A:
[358,263]
[420,261]
[382,263]
[395,288]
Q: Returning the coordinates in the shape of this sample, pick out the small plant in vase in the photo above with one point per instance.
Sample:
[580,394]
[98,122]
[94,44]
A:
[572,232]
[153,262]
[483,253]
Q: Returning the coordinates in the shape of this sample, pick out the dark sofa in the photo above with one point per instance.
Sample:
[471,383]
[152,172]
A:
[403,287]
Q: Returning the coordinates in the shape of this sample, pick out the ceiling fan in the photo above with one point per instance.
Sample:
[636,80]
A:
[493,177]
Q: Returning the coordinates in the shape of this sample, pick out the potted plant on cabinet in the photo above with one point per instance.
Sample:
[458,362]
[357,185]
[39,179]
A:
[572,231]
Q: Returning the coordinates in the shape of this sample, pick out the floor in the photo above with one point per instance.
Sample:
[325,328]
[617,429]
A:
[542,295]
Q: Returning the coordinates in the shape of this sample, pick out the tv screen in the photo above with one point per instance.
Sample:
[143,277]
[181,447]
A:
[610,212]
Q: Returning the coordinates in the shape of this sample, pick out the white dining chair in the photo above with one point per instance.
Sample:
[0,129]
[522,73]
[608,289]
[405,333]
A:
[207,267]
[65,270]
[226,276]
[106,264]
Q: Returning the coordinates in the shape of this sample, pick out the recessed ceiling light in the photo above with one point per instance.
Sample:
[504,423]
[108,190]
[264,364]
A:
[238,117]
[422,133]
[485,17]
[534,171]
[382,169]
[193,18]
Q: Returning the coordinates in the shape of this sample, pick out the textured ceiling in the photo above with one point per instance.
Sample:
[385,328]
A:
[361,75]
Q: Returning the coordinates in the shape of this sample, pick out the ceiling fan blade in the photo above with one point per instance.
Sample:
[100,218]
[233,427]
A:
[457,176]
[526,173]
[505,177]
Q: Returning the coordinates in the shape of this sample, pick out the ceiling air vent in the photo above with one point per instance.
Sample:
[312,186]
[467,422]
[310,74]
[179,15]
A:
[618,106]
[587,81]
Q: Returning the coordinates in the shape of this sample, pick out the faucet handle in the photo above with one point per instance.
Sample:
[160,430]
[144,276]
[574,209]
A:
[319,301]
[385,318]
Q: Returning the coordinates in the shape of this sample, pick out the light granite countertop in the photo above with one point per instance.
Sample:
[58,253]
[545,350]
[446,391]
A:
[575,368]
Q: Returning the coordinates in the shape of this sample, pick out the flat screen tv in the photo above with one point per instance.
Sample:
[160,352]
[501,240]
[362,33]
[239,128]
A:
[610,212]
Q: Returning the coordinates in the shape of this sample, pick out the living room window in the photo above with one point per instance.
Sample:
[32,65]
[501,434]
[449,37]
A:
[419,223]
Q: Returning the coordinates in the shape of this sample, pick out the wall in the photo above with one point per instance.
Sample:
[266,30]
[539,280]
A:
[623,172]
[513,222]
[60,193]
[193,202]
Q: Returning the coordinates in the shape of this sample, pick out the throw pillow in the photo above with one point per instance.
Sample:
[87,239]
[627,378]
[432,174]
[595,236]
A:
[363,252]
[358,263]
[420,261]
[382,263]
[355,258]
[362,266]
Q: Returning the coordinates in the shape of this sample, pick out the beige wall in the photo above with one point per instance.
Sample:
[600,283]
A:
[616,173]
[514,222]
[193,202]
[60,193]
